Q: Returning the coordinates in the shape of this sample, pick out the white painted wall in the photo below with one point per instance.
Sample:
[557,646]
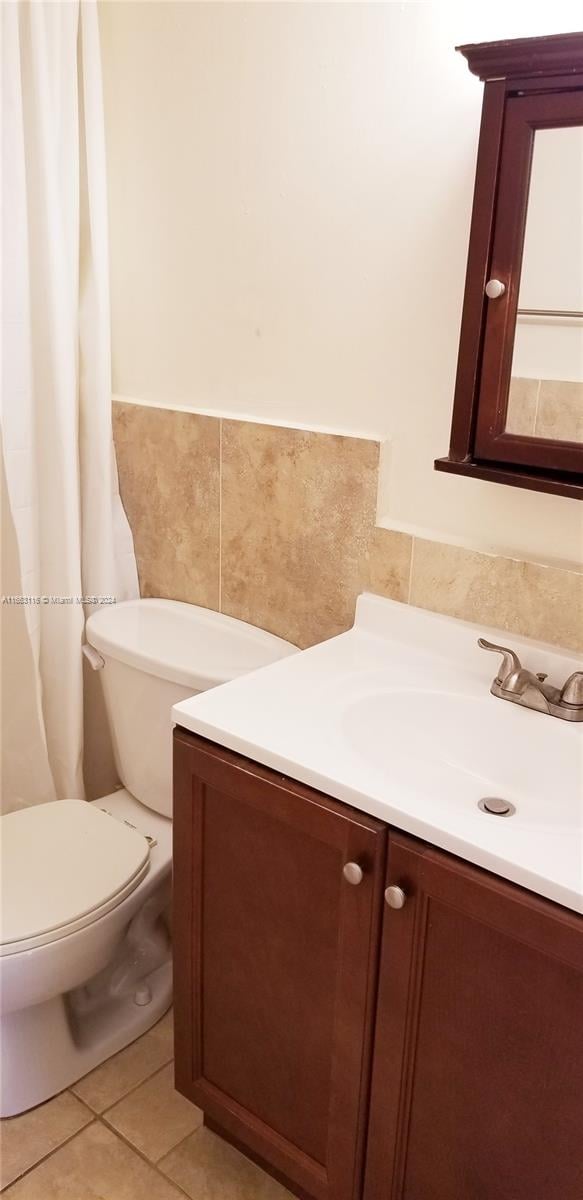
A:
[290,192]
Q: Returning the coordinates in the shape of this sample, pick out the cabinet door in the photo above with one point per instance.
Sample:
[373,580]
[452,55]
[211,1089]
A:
[275,964]
[524,116]
[477,1087]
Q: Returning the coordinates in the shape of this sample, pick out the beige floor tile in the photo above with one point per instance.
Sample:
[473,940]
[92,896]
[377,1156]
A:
[118,1075]
[94,1165]
[25,1140]
[208,1168]
[155,1117]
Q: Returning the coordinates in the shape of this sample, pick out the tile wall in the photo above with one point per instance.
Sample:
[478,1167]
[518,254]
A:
[546,408]
[276,526]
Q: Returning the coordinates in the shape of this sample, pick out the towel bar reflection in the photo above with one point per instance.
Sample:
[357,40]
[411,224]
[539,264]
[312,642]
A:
[572,314]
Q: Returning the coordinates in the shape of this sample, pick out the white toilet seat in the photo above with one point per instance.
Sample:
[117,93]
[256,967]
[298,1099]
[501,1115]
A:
[64,865]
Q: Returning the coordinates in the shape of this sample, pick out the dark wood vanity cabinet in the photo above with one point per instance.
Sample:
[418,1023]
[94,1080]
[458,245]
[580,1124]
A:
[276,963]
[477,1087]
[432,1051]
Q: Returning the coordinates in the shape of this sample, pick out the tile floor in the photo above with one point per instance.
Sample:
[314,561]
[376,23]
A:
[124,1133]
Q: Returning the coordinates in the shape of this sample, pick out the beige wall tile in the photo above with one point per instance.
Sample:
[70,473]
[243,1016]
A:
[298,536]
[388,564]
[536,601]
[155,1117]
[118,1075]
[168,465]
[207,1168]
[94,1165]
[521,412]
[298,510]
[26,1139]
[560,410]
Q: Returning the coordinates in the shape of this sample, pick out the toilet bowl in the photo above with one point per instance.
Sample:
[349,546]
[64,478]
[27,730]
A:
[85,955]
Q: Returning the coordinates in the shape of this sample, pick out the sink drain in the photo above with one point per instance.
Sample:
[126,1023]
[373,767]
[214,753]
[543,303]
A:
[496,806]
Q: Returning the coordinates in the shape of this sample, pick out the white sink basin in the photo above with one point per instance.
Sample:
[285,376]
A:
[473,747]
[395,718]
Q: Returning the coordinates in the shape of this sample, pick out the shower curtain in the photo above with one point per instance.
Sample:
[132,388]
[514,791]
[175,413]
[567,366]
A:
[67,544]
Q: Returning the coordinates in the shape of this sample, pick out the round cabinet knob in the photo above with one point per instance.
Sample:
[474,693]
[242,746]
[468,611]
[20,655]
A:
[395,897]
[352,873]
[494,289]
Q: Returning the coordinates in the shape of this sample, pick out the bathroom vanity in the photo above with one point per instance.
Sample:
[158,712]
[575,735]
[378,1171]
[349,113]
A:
[379,994]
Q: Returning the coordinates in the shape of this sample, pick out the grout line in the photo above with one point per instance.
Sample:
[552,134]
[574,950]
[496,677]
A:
[198,1129]
[538,391]
[55,1149]
[136,1149]
[410,584]
[97,1118]
[183,1140]
[220,514]
[133,1089]
[102,1118]
[134,1086]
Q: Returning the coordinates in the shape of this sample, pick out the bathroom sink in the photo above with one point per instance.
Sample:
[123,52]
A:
[474,747]
[395,717]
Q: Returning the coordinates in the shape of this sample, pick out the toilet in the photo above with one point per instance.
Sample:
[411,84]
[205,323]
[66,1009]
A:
[85,955]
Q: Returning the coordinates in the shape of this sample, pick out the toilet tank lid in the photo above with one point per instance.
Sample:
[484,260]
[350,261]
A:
[182,643]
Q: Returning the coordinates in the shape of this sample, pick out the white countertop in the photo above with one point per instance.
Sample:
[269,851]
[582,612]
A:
[395,718]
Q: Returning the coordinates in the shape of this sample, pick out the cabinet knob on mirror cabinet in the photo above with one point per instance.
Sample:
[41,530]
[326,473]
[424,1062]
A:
[494,289]
[395,897]
[352,872]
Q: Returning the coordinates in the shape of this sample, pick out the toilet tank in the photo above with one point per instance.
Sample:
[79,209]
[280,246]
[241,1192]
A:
[155,653]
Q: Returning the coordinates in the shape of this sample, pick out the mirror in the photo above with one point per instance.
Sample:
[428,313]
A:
[545,397]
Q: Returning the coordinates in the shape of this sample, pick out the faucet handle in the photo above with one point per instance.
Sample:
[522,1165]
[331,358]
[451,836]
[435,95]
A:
[510,660]
[572,691]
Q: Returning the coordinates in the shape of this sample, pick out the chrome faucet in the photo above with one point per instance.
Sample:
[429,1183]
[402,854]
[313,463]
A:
[513,682]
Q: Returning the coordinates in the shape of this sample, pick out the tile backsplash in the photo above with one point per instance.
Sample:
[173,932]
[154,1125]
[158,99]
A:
[546,408]
[169,464]
[296,516]
[276,526]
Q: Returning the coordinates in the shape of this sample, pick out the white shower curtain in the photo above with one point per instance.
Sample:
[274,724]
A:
[69,533]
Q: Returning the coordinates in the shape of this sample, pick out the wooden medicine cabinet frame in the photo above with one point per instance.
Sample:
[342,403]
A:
[530,84]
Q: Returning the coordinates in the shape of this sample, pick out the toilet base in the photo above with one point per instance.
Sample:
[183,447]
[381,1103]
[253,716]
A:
[46,1048]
